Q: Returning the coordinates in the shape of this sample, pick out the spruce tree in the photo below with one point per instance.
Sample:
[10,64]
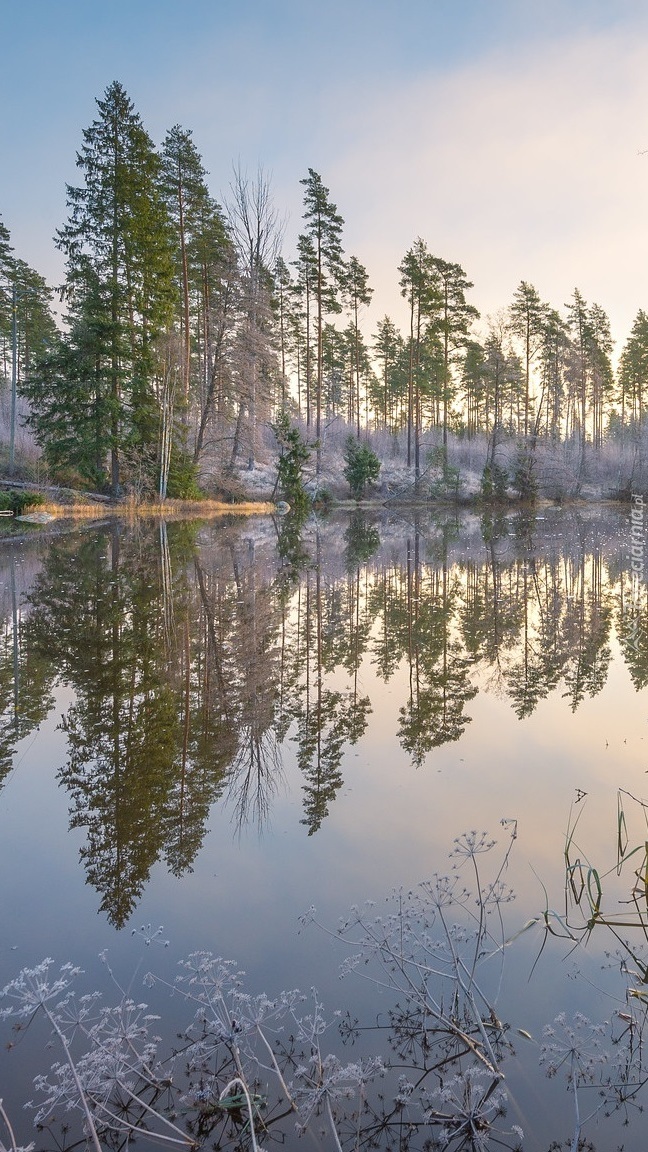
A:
[6,276]
[6,299]
[70,412]
[120,271]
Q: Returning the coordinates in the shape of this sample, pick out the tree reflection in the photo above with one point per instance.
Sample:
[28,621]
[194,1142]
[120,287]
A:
[26,677]
[326,718]
[201,658]
[439,685]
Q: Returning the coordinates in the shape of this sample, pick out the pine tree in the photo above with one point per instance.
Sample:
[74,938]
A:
[358,294]
[304,292]
[201,241]
[283,291]
[6,280]
[215,290]
[633,370]
[452,319]
[418,286]
[387,391]
[553,353]
[579,327]
[338,372]
[473,380]
[602,376]
[527,318]
[182,182]
[324,233]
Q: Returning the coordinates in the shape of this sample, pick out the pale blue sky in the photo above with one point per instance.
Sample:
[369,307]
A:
[505,132]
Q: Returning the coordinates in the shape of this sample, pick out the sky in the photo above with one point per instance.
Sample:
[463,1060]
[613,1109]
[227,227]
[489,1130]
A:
[511,135]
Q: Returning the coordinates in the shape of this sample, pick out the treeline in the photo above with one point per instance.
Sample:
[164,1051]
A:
[187,332]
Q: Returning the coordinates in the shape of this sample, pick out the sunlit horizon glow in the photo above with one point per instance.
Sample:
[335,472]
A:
[511,140]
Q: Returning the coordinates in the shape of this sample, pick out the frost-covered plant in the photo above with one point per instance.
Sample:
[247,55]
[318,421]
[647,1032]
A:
[466,1106]
[574,1046]
[248,1062]
[427,947]
[11,1144]
[116,1074]
[245,1064]
[426,950]
[248,1067]
[232,1027]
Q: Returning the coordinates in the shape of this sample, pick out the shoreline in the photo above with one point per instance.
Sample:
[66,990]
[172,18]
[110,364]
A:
[204,509]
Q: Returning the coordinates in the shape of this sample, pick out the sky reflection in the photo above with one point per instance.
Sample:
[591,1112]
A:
[180,777]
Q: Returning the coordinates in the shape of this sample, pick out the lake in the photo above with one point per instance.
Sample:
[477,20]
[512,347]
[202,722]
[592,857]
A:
[211,727]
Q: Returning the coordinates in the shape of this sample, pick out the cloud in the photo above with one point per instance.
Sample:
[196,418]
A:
[518,167]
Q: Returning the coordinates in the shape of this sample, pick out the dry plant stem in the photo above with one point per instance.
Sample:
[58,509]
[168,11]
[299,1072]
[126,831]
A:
[491,1063]
[480,929]
[79,1086]
[577,1122]
[117,1124]
[228,1087]
[183,1138]
[277,1070]
[10,1130]
[332,1123]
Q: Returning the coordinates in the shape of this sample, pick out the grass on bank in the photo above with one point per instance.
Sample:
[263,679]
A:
[168,508]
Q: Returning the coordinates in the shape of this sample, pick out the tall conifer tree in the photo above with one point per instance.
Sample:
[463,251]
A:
[451,323]
[527,322]
[633,370]
[119,252]
[358,294]
[324,231]
[418,286]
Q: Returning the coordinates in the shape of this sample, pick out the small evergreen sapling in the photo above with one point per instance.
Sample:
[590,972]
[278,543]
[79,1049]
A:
[293,455]
[362,466]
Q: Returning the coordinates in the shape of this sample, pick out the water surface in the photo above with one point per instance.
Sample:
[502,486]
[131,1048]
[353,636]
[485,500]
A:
[213,726]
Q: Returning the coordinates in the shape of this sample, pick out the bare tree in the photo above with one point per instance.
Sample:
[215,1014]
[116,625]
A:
[257,231]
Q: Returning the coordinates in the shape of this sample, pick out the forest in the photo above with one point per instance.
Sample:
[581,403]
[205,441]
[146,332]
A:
[193,353]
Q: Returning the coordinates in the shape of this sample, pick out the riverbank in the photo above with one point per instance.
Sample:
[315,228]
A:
[70,506]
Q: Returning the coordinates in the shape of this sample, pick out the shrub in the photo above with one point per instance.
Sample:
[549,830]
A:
[445,477]
[524,480]
[182,483]
[493,484]
[362,466]
[293,455]
[17,501]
